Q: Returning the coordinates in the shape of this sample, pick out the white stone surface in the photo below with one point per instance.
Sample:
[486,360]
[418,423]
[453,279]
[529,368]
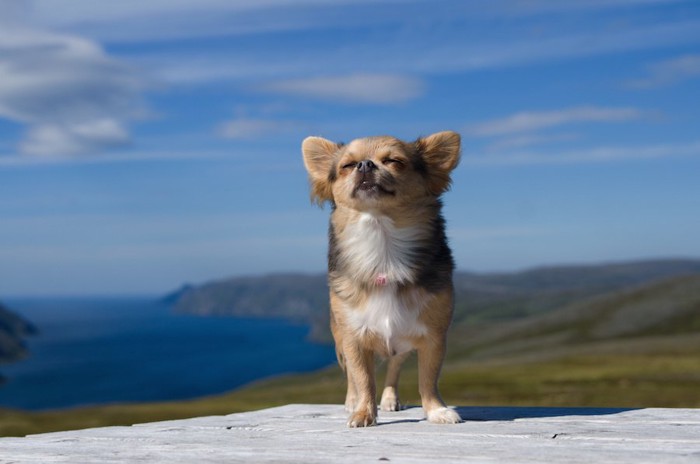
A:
[318,434]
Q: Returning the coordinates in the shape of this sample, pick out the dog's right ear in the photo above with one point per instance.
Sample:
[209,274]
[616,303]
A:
[440,152]
[319,160]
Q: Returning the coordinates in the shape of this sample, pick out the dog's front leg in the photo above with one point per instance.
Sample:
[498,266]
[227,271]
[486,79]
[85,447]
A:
[390,396]
[359,362]
[430,356]
[351,396]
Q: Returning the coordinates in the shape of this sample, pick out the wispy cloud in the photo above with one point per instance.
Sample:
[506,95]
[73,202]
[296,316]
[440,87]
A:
[132,20]
[251,157]
[76,138]
[494,158]
[154,227]
[669,72]
[404,52]
[519,141]
[143,251]
[489,233]
[586,156]
[528,121]
[356,88]
[73,97]
[251,128]
[88,12]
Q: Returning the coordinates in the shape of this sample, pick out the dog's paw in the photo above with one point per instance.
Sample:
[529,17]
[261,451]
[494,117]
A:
[390,403]
[444,416]
[362,419]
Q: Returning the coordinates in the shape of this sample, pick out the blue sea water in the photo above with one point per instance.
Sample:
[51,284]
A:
[98,351]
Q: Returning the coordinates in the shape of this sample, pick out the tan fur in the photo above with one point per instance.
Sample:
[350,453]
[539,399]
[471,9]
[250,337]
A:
[399,208]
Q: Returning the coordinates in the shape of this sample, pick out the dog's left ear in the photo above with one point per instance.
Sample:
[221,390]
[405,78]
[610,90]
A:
[319,157]
[440,152]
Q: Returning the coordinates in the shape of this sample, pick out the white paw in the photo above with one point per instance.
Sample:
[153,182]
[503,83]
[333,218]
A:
[390,400]
[390,404]
[444,416]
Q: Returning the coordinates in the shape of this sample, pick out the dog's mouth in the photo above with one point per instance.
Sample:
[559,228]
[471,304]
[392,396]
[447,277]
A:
[371,188]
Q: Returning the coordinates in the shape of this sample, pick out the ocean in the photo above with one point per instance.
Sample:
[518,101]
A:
[111,350]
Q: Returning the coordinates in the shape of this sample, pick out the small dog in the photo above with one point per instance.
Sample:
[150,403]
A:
[389,265]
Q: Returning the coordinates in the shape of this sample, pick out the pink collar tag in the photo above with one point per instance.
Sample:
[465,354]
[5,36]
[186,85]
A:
[381,280]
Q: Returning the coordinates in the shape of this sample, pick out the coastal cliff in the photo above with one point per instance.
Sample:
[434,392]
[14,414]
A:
[13,329]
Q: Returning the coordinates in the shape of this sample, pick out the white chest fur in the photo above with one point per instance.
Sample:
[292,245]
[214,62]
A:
[373,247]
[391,316]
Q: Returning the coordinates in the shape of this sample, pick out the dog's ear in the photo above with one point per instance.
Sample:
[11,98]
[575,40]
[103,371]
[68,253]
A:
[440,152]
[319,160]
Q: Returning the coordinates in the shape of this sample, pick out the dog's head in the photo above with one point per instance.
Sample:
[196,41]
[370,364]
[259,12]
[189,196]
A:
[380,172]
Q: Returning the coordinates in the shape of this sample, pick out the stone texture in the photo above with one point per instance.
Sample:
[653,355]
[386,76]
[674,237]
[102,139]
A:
[318,434]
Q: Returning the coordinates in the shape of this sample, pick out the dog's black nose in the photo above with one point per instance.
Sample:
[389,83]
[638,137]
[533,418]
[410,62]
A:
[366,166]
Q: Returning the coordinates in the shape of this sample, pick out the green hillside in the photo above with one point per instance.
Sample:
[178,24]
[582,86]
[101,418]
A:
[661,309]
[507,296]
[479,297]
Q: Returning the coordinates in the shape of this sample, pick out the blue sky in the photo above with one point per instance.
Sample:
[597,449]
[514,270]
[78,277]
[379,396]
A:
[145,144]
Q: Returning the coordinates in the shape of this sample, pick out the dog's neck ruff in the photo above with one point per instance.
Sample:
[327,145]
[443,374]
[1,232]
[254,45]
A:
[378,252]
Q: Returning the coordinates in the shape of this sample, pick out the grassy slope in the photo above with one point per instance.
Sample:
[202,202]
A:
[635,379]
[637,348]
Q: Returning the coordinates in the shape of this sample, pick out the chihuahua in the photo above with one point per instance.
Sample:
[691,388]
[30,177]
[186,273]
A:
[389,265]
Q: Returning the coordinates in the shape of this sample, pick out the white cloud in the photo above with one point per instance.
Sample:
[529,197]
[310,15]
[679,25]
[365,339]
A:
[67,90]
[408,52]
[537,7]
[670,71]
[488,233]
[357,88]
[88,11]
[524,140]
[250,128]
[586,156]
[529,121]
[80,138]
[132,20]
